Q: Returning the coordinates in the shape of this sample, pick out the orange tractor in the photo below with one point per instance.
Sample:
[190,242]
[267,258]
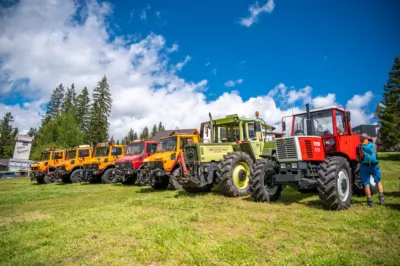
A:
[319,153]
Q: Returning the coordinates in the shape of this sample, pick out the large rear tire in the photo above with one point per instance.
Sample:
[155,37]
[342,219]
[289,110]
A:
[335,183]
[76,176]
[108,177]
[235,171]
[262,187]
[173,182]
[161,183]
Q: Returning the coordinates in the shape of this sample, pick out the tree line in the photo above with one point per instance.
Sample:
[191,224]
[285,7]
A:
[72,119]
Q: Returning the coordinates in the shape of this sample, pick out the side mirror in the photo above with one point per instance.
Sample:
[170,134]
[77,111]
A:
[348,116]
[284,126]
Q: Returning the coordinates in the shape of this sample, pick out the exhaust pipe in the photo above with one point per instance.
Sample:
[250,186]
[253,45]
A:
[211,128]
[310,130]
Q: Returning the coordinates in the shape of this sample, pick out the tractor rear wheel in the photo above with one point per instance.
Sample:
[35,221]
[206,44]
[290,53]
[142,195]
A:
[50,179]
[235,171]
[76,176]
[334,183]
[108,177]
[173,182]
[262,187]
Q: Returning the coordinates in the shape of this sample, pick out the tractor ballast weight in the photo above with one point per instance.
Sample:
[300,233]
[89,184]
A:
[319,153]
[227,160]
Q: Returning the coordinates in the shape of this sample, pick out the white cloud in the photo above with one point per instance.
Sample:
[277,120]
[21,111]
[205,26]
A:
[214,71]
[143,14]
[173,48]
[158,13]
[357,106]
[208,63]
[255,10]
[303,94]
[233,83]
[324,101]
[47,48]
[180,65]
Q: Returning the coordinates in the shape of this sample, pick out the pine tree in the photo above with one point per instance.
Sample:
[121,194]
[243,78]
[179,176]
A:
[135,136]
[388,110]
[83,112]
[32,132]
[145,133]
[154,130]
[68,106]
[54,105]
[160,127]
[129,137]
[99,113]
[117,142]
[7,136]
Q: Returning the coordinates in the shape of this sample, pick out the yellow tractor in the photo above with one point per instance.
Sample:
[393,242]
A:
[42,170]
[70,170]
[159,168]
[99,168]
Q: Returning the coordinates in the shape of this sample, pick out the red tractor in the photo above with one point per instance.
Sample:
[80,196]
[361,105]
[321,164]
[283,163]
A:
[126,168]
[320,153]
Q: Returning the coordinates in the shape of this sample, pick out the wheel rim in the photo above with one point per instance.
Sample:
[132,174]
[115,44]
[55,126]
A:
[343,185]
[268,184]
[241,174]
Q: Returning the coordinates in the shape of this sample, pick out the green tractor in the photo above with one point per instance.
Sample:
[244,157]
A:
[234,145]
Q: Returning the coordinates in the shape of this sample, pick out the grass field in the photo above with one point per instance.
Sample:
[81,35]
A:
[89,224]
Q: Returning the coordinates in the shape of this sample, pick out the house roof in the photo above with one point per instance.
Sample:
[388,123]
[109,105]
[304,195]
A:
[166,133]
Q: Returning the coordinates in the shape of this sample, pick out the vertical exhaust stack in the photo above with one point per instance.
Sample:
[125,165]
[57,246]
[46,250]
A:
[211,128]
[310,130]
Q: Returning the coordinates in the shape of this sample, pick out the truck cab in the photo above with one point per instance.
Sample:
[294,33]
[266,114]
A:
[41,170]
[135,152]
[100,166]
[159,167]
[69,170]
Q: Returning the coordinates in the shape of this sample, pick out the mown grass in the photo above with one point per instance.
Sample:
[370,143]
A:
[116,225]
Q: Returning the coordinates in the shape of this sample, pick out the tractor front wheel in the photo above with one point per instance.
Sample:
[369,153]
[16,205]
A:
[161,183]
[50,179]
[173,182]
[334,183]
[262,185]
[65,179]
[40,180]
[108,177]
[76,176]
[235,171]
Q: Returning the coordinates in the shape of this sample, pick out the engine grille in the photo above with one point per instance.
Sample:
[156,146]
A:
[308,148]
[286,148]
[125,165]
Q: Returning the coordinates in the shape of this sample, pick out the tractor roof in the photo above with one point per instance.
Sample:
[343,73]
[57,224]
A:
[234,118]
[322,109]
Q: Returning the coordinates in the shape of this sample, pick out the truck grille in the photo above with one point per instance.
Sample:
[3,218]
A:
[127,165]
[308,148]
[286,148]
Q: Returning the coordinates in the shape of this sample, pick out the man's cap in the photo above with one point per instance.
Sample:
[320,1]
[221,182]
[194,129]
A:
[365,136]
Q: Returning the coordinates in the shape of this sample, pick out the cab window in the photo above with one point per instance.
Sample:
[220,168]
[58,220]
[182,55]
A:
[83,153]
[116,151]
[151,148]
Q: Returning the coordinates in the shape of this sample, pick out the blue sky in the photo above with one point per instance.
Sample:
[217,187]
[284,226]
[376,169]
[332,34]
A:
[343,50]
[345,47]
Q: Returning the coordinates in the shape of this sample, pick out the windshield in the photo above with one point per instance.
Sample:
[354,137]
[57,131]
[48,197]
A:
[102,151]
[228,132]
[45,156]
[168,144]
[133,149]
[321,121]
[71,154]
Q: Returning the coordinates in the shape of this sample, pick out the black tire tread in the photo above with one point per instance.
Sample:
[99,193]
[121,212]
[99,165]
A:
[257,188]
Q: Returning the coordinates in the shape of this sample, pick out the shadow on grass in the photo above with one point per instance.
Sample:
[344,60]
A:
[150,190]
[183,193]
[392,193]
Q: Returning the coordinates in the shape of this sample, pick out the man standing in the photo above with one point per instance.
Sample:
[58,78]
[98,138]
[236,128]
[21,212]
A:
[369,166]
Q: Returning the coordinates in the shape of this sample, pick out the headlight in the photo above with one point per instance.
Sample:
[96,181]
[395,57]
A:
[146,160]
[294,165]
[283,166]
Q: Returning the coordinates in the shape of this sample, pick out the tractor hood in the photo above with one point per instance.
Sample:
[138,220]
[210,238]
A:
[95,161]
[160,156]
[129,158]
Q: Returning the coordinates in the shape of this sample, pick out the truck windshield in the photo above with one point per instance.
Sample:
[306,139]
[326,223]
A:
[102,151]
[71,154]
[167,144]
[321,121]
[45,156]
[228,133]
[136,148]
